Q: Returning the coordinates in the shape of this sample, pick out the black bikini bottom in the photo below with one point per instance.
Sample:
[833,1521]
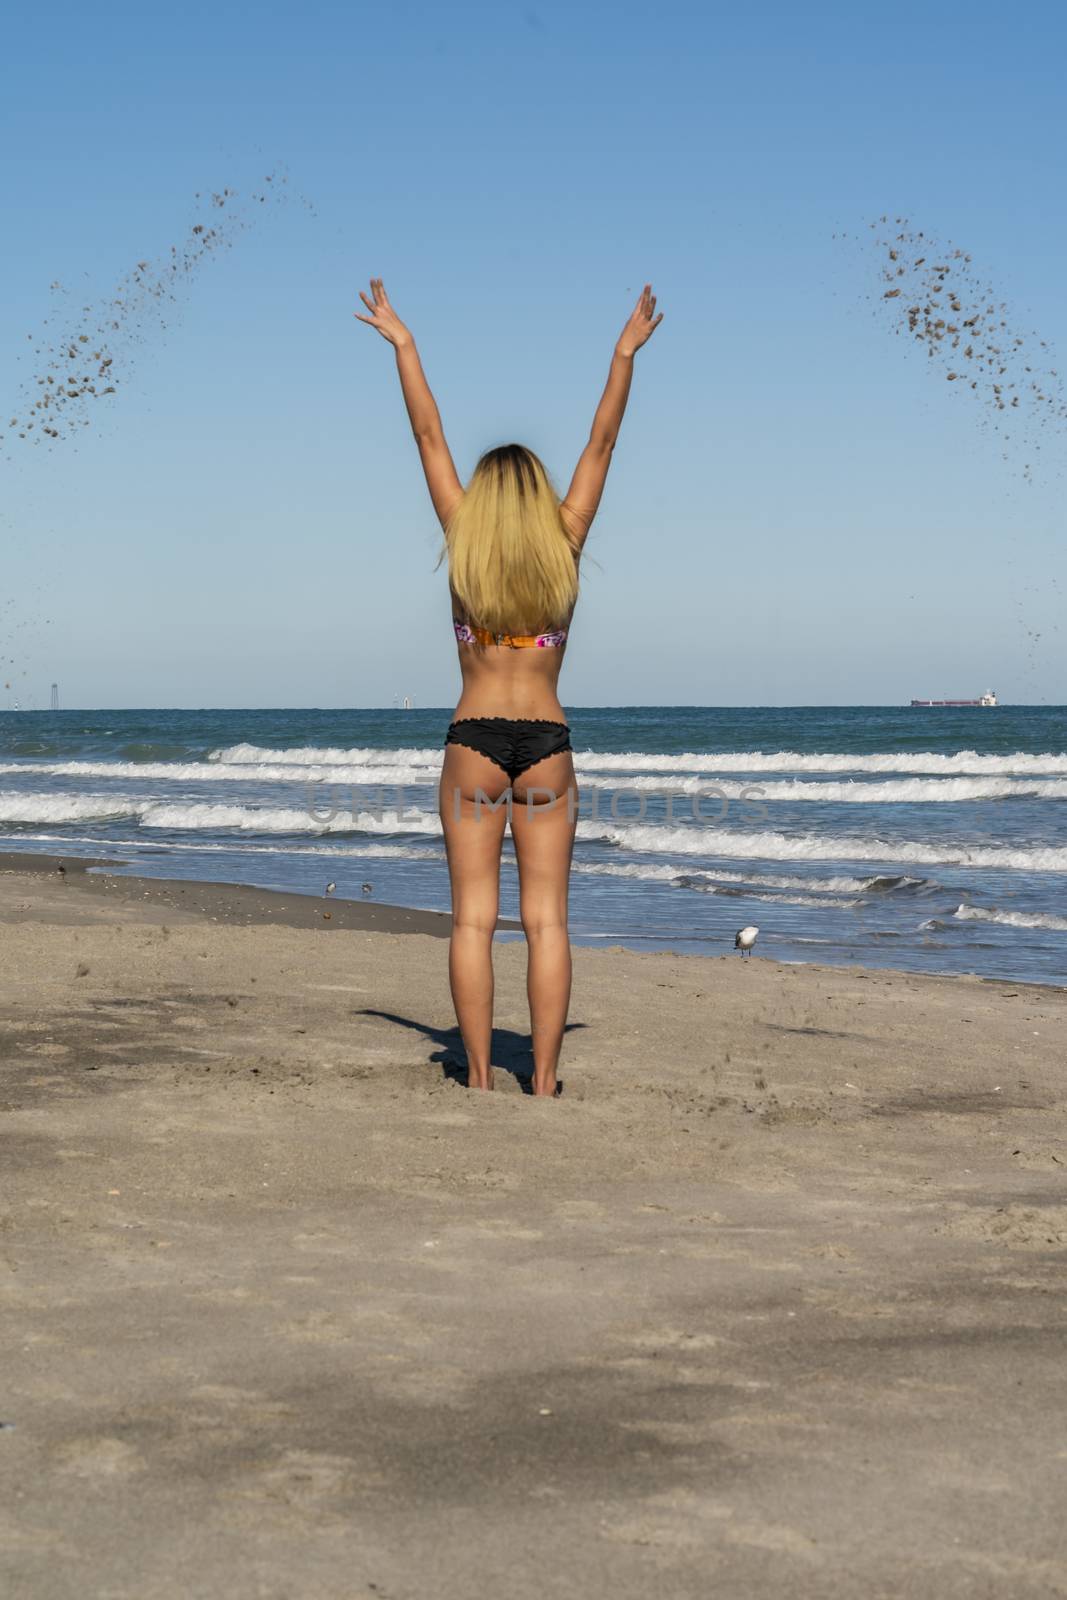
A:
[510,743]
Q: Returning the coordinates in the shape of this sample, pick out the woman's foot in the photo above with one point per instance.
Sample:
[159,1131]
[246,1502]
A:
[547,1088]
[479,1080]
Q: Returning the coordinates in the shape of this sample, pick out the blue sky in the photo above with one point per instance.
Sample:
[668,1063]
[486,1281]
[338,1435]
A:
[797,512]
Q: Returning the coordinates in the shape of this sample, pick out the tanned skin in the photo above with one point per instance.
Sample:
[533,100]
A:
[501,682]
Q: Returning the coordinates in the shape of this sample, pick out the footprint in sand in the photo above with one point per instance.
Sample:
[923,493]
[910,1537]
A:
[99,1458]
[305,1481]
[580,1210]
[1019,1227]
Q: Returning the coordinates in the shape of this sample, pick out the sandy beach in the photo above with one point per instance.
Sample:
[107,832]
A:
[771,1302]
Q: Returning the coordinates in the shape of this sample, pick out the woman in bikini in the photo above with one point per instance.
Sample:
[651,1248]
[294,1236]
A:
[513,551]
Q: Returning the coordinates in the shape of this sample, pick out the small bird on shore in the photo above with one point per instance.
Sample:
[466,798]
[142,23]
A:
[744,939]
[61,869]
[330,887]
[368,888]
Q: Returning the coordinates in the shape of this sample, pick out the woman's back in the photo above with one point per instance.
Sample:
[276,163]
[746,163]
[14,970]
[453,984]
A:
[502,680]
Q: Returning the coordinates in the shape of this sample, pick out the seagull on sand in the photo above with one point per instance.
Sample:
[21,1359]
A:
[368,888]
[744,939]
[330,887]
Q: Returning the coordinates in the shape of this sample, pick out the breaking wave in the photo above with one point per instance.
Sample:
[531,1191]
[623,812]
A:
[414,768]
[849,792]
[28,809]
[387,773]
[285,819]
[640,838]
[314,756]
[1011,919]
[930,763]
[753,845]
[654,873]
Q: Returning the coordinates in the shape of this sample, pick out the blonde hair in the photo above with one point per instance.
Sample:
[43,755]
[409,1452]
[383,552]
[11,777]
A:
[511,562]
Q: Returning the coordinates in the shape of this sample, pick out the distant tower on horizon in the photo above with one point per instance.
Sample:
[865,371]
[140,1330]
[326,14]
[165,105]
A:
[55,697]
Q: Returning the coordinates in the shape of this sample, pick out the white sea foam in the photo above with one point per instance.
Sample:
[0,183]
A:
[151,848]
[767,845]
[386,775]
[285,819]
[964,762]
[839,884]
[314,756]
[775,897]
[31,808]
[1011,919]
[641,838]
[65,808]
[817,888]
[850,792]
[413,773]
[961,763]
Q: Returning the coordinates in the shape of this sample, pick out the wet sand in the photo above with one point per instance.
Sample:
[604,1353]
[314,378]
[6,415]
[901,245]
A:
[771,1302]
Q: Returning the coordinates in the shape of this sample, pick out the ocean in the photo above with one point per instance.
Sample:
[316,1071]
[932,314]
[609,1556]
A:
[933,840]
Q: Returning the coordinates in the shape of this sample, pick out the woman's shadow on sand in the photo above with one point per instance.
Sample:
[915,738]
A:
[511,1052]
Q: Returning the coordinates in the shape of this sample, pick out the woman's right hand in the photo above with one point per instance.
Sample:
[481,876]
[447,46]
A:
[382,316]
[642,324]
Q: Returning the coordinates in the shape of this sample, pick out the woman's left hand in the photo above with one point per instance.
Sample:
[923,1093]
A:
[642,324]
[382,316]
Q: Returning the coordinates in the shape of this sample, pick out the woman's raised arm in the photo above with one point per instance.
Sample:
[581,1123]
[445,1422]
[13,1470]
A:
[442,479]
[583,497]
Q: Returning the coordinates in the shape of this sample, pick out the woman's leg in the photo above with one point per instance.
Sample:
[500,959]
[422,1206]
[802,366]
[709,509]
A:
[473,798]
[544,815]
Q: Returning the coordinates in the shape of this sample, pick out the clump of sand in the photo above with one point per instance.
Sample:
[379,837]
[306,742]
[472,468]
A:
[83,356]
[931,292]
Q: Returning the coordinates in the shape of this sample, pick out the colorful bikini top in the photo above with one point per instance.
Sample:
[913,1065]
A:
[465,634]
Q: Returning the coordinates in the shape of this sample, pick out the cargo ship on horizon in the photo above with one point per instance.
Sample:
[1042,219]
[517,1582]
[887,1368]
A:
[987,699]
